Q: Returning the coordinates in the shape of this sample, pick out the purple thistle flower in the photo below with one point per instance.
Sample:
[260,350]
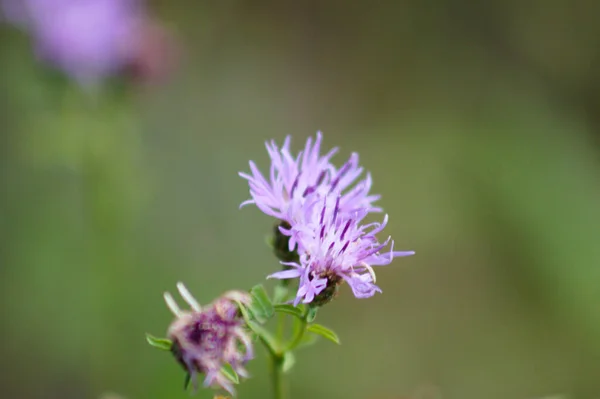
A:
[293,179]
[333,248]
[88,39]
[204,340]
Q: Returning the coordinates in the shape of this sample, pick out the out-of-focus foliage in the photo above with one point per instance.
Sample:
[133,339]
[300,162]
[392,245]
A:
[479,123]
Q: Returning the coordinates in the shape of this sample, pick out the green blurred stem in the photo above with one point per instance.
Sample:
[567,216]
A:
[280,326]
[276,355]
[280,296]
[280,388]
[279,384]
[298,333]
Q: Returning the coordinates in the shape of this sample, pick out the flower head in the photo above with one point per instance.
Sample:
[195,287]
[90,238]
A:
[321,210]
[336,247]
[293,179]
[88,39]
[204,340]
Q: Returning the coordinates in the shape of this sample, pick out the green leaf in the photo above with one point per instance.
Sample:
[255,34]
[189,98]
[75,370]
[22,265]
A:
[187,380]
[244,311]
[262,307]
[312,314]
[288,361]
[289,309]
[160,343]
[324,332]
[257,314]
[230,373]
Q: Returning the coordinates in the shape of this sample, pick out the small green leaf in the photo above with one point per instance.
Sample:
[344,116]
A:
[230,373]
[257,314]
[288,361]
[324,332]
[187,380]
[312,314]
[160,343]
[261,301]
[244,311]
[289,309]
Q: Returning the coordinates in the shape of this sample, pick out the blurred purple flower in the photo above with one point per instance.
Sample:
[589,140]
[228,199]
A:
[334,248]
[88,39]
[204,340]
[293,179]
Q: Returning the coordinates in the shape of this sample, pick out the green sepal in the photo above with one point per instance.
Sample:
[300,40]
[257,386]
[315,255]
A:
[288,361]
[324,332]
[164,344]
[230,373]
[289,309]
[312,314]
[186,382]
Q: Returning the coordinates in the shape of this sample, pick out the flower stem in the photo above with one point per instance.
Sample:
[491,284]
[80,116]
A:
[299,333]
[280,389]
[280,326]
[279,384]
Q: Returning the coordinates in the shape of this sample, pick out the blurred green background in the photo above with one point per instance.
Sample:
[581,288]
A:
[479,122]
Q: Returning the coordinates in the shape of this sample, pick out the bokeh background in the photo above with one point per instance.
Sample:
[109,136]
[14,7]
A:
[479,122]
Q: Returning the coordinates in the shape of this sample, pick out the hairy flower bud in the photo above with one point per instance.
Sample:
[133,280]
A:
[206,339]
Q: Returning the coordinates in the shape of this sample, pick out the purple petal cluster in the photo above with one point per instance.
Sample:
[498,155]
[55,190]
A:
[206,339]
[88,39]
[292,180]
[323,209]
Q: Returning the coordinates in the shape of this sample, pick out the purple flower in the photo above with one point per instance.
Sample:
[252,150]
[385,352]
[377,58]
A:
[321,209]
[88,39]
[204,340]
[293,179]
[336,247]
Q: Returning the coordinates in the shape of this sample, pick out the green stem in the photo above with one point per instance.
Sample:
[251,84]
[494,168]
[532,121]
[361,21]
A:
[272,351]
[299,334]
[280,326]
[276,356]
[278,380]
[280,388]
